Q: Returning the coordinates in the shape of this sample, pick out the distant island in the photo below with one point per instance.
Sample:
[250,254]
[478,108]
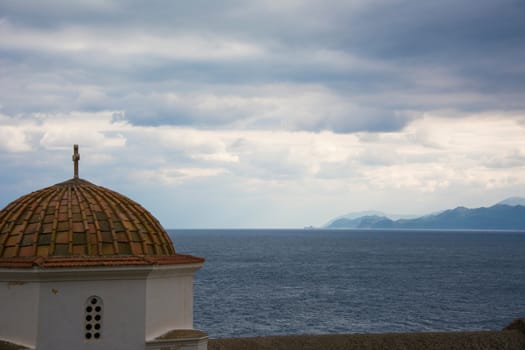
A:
[505,215]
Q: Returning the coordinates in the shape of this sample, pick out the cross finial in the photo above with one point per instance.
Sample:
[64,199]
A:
[76,158]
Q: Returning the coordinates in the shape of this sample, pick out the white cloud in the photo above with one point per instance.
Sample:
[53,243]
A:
[96,130]
[433,148]
[13,139]
[173,176]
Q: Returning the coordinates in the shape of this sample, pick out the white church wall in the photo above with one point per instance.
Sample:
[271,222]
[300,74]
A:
[63,311]
[18,320]
[47,308]
[169,299]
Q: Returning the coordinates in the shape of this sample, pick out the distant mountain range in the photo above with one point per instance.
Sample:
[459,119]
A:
[505,215]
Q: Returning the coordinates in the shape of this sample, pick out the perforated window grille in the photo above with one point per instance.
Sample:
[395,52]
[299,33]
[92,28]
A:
[93,311]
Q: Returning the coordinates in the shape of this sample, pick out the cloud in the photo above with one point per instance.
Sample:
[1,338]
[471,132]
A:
[344,67]
[260,107]
[117,45]
[173,176]
[232,171]
[13,140]
[434,147]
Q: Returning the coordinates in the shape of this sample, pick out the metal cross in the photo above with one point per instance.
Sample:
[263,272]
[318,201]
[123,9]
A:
[76,158]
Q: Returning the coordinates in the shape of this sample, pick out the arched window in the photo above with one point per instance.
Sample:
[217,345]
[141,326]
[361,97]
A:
[93,310]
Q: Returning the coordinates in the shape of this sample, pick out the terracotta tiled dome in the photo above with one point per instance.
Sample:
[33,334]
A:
[79,218]
[78,223]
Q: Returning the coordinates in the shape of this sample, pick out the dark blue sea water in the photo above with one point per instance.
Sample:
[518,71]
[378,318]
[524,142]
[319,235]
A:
[270,282]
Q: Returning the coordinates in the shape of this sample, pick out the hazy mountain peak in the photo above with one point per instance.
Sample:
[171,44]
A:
[513,201]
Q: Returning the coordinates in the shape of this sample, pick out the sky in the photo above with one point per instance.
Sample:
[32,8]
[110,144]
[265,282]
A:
[266,114]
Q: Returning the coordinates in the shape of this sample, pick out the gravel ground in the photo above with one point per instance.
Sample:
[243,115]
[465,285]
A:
[507,339]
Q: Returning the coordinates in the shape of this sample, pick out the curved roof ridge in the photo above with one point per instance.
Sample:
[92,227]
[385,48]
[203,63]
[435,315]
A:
[43,233]
[102,222]
[132,212]
[91,246]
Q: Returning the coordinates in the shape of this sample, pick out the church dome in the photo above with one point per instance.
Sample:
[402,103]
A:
[77,223]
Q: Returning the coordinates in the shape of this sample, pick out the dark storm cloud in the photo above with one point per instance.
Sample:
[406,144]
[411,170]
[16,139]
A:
[480,41]
[388,60]
[437,30]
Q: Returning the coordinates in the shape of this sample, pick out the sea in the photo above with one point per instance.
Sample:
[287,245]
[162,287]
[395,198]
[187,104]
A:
[314,281]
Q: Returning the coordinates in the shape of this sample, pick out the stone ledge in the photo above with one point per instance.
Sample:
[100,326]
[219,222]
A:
[5,345]
[183,334]
[180,339]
